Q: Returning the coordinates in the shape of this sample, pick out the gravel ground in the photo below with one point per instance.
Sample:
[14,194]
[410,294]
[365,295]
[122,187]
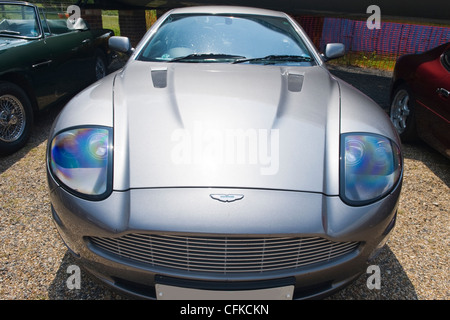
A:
[414,264]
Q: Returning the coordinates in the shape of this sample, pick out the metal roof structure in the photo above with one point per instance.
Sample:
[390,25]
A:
[427,10]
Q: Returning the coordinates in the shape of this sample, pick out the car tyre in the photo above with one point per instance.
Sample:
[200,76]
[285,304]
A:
[402,113]
[16,118]
[100,68]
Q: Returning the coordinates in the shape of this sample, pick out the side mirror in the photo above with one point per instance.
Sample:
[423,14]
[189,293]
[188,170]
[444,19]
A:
[120,44]
[334,50]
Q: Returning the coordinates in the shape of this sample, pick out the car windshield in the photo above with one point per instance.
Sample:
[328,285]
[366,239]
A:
[227,38]
[18,21]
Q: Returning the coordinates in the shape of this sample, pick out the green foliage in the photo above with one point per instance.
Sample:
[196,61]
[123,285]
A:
[110,20]
[367,60]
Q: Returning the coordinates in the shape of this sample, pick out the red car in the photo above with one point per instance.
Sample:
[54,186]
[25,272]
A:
[420,98]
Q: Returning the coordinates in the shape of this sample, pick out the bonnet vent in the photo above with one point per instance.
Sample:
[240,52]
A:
[295,82]
[159,77]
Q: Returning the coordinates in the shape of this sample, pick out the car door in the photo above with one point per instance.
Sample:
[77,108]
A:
[433,114]
[72,54]
[29,55]
[43,71]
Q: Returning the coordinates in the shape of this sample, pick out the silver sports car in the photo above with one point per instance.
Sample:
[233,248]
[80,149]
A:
[224,160]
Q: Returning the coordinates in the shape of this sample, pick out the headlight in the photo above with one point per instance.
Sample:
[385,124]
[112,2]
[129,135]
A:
[80,160]
[371,167]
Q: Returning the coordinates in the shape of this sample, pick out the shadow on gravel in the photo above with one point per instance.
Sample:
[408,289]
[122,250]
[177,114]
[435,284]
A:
[373,83]
[395,284]
[435,161]
[90,288]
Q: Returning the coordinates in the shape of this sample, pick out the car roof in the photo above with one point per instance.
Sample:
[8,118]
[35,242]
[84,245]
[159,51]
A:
[227,10]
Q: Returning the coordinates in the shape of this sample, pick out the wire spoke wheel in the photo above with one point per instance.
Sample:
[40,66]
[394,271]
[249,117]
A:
[12,118]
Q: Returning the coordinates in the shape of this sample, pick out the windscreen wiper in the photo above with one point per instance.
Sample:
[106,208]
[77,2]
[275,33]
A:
[206,57]
[276,58]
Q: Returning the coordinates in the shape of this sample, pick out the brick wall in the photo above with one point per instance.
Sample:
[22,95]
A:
[93,17]
[132,25]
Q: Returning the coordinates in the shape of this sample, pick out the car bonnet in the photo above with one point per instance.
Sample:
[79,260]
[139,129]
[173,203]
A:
[222,125]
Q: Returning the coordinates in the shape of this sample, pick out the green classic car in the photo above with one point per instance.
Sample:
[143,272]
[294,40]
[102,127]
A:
[45,56]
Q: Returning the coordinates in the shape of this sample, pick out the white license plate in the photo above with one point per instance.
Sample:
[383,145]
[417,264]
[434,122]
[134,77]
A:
[165,292]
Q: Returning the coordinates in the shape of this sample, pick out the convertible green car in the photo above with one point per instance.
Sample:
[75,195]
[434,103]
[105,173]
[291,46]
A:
[44,57]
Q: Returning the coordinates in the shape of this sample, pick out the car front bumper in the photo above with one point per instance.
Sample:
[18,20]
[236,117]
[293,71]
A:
[201,225]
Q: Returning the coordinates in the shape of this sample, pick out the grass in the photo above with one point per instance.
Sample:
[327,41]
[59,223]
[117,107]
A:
[110,20]
[367,60]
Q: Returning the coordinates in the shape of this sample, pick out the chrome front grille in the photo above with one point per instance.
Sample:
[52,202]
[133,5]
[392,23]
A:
[223,254]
